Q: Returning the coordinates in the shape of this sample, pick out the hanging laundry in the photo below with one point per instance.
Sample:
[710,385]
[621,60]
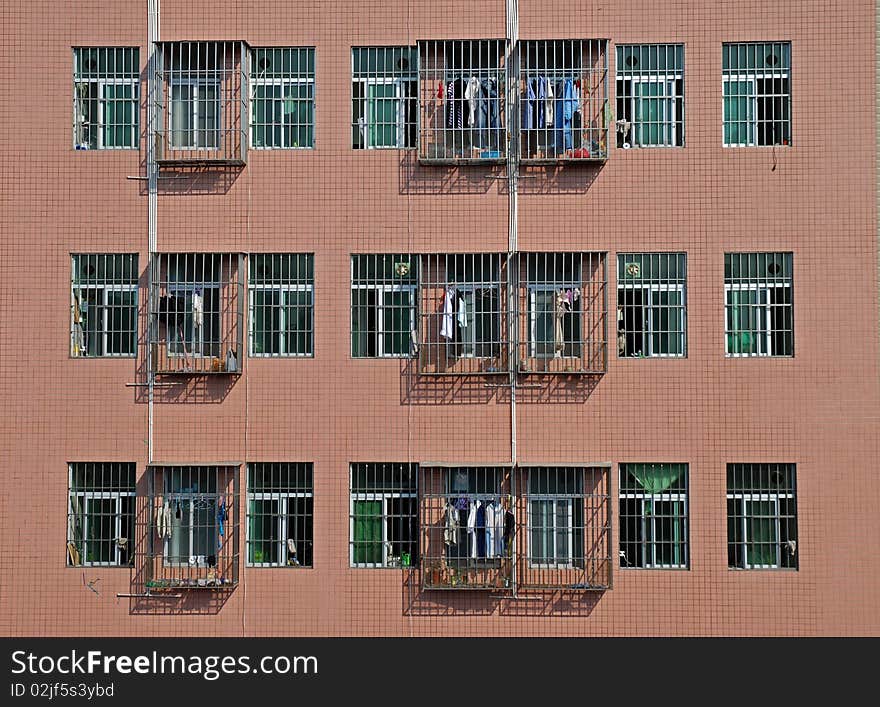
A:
[221,517]
[488,127]
[509,529]
[472,95]
[481,530]
[566,105]
[472,529]
[450,531]
[490,530]
[559,313]
[198,309]
[499,530]
[462,311]
[446,320]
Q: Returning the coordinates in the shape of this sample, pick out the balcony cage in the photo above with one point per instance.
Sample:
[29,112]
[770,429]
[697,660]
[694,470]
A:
[563,539]
[462,107]
[460,548]
[196,313]
[561,313]
[463,314]
[564,108]
[200,103]
[190,524]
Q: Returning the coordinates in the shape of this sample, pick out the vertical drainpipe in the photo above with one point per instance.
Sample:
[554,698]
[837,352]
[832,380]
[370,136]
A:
[511,66]
[152,198]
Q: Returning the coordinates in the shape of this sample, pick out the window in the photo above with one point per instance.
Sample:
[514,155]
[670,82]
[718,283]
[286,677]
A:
[106,96]
[651,304]
[556,518]
[383,95]
[196,313]
[383,304]
[758,304]
[650,95]
[462,102]
[100,514]
[194,116]
[281,303]
[283,97]
[654,515]
[103,293]
[761,516]
[280,508]
[383,515]
[757,93]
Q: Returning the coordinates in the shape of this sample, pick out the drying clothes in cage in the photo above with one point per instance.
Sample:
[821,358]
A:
[455,104]
[163,521]
[198,309]
[462,311]
[447,328]
[472,95]
[490,530]
[498,533]
[472,529]
[509,530]
[537,111]
[222,517]
[488,129]
[450,526]
[566,105]
[481,530]
[559,310]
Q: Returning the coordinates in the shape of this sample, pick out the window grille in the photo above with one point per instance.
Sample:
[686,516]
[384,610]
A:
[281,304]
[462,112]
[650,95]
[384,302]
[201,102]
[100,514]
[758,304]
[280,511]
[196,313]
[761,516]
[106,98]
[564,106]
[283,97]
[463,314]
[461,526]
[193,527]
[103,305]
[756,79]
[651,304]
[383,517]
[654,516]
[564,540]
[384,97]
[562,309]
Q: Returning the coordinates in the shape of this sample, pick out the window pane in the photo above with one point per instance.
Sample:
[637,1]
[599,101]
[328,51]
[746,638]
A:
[298,316]
[739,114]
[382,114]
[367,534]
[397,312]
[762,540]
[263,538]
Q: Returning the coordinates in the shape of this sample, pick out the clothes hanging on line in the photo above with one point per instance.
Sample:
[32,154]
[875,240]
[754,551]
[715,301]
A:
[450,531]
[198,309]
[446,322]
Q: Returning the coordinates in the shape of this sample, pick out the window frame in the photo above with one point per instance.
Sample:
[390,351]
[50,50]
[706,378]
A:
[190,498]
[649,313]
[382,289]
[197,346]
[84,497]
[399,99]
[668,124]
[552,533]
[472,342]
[387,517]
[283,289]
[763,289]
[104,330]
[282,524]
[195,99]
[283,82]
[574,316]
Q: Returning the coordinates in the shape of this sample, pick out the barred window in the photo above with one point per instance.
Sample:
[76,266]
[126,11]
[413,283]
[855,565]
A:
[761,516]
[103,293]
[654,515]
[283,97]
[556,518]
[384,300]
[651,304]
[281,304]
[758,304]
[106,93]
[756,79]
[280,512]
[650,95]
[384,515]
[100,514]
[384,97]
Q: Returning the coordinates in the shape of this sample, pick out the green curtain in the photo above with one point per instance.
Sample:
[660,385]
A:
[739,113]
[656,478]
[762,542]
[741,335]
[368,532]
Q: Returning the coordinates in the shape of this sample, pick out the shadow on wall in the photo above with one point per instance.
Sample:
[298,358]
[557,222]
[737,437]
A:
[555,179]
[558,603]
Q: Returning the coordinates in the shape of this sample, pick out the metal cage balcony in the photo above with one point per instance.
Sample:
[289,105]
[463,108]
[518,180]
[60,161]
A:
[200,99]
[196,313]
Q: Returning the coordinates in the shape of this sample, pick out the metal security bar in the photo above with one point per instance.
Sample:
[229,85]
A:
[654,516]
[192,540]
[564,536]
[562,306]
[651,304]
[100,514]
[196,313]
[463,314]
[103,304]
[281,304]
[280,513]
[384,305]
[462,524]
[201,102]
[384,97]
[761,516]
[283,97]
[756,78]
[758,304]
[564,100]
[462,114]
[383,515]
[650,95]
[106,98]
